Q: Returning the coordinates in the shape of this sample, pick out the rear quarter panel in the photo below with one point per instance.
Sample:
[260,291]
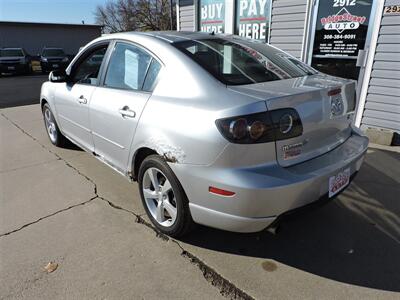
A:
[178,121]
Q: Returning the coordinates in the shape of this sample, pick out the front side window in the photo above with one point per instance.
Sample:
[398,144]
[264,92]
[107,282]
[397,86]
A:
[127,68]
[88,70]
[253,19]
[11,53]
[239,61]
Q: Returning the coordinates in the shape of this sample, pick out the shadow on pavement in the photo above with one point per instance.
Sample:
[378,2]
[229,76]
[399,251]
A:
[353,239]
[71,146]
[18,90]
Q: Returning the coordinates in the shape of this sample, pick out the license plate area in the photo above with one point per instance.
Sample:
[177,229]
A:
[55,65]
[338,182]
[11,68]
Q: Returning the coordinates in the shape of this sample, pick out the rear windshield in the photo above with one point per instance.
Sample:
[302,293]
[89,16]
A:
[53,52]
[11,52]
[236,62]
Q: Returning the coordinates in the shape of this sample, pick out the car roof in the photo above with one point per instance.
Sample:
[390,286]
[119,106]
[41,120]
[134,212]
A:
[168,36]
[176,36]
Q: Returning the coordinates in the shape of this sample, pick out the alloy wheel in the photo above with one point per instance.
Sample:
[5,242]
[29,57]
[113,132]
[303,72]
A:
[159,197]
[50,125]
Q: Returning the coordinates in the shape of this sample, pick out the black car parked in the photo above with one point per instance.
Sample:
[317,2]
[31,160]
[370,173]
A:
[53,59]
[15,61]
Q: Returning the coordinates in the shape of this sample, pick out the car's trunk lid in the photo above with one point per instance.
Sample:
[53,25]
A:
[325,105]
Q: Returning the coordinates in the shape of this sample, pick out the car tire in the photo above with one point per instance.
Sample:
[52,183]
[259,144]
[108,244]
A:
[53,132]
[161,199]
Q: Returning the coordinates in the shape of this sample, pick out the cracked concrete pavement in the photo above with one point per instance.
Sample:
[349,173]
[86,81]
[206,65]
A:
[65,206]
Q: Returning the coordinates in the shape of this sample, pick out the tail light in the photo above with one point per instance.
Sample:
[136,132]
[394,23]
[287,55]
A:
[348,93]
[262,127]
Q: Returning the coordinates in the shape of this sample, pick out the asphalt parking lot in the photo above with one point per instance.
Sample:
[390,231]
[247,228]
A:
[64,207]
[17,90]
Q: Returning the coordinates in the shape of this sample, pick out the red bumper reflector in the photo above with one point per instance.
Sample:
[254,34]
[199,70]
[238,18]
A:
[221,192]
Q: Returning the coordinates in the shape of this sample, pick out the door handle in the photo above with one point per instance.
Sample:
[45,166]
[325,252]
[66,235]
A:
[126,112]
[82,100]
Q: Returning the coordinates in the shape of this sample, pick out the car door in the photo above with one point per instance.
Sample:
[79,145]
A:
[117,104]
[73,97]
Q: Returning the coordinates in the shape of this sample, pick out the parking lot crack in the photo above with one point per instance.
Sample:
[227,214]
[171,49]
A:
[225,287]
[58,157]
[48,216]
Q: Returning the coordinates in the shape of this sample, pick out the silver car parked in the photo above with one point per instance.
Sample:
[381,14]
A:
[217,130]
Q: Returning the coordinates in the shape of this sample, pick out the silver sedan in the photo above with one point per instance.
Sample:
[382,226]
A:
[217,130]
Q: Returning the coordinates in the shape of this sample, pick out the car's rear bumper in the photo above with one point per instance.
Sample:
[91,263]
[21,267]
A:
[265,192]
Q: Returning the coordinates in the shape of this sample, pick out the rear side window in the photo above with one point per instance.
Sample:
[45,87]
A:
[237,61]
[151,77]
[127,68]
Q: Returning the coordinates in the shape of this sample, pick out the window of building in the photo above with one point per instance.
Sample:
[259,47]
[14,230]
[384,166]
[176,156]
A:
[341,29]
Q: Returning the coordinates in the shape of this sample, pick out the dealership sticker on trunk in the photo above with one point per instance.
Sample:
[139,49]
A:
[292,150]
[339,182]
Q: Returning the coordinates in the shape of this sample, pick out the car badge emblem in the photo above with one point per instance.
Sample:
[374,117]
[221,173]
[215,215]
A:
[337,106]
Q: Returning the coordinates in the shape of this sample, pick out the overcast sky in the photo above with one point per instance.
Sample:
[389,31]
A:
[49,11]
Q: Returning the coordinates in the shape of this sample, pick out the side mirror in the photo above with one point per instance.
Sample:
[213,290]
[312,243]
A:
[58,76]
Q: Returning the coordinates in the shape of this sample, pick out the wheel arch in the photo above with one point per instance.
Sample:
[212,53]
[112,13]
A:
[138,157]
[43,101]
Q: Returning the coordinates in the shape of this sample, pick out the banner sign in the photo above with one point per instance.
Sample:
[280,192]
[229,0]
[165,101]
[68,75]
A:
[341,27]
[212,16]
[253,18]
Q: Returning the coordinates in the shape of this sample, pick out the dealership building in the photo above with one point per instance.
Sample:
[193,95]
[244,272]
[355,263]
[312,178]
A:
[34,36]
[356,39]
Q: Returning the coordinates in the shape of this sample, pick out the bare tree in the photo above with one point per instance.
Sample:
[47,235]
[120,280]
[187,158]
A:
[136,15]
